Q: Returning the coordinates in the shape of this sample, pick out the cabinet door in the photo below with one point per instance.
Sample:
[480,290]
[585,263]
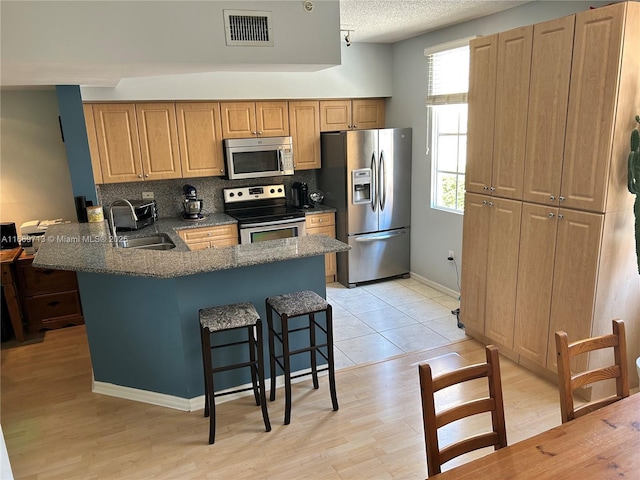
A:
[238,119]
[475,242]
[324,224]
[200,139]
[335,115]
[535,279]
[368,113]
[158,140]
[480,124]
[547,116]
[574,278]
[502,269]
[304,122]
[92,139]
[512,96]
[272,119]
[594,83]
[117,134]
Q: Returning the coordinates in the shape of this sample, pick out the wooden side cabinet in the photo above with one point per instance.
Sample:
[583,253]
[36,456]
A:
[210,237]
[324,224]
[50,298]
[304,122]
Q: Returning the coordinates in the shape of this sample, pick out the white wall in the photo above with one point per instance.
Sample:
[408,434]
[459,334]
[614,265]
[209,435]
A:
[34,173]
[98,42]
[435,232]
[364,72]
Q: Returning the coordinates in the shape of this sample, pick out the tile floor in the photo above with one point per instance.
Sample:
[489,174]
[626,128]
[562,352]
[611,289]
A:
[383,319]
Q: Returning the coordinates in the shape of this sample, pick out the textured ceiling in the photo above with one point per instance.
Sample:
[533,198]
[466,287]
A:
[389,21]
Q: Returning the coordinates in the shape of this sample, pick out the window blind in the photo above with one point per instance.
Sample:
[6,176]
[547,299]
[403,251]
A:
[448,81]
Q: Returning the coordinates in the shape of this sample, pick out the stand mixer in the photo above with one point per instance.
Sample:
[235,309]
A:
[191,204]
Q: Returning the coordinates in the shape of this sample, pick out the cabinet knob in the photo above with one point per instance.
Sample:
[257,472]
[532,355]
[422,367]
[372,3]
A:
[254,133]
[552,197]
[146,175]
[350,126]
[259,133]
[484,187]
[355,126]
[561,198]
[560,216]
[222,170]
[491,204]
[492,189]
[140,176]
[551,215]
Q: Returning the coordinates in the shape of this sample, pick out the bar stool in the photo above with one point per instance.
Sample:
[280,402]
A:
[286,307]
[225,318]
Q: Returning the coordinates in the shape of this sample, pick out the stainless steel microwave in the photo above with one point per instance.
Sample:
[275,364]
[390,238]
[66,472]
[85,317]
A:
[258,157]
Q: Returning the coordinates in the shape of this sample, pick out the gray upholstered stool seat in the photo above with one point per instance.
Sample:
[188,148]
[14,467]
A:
[298,303]
[288,306]
[224,318]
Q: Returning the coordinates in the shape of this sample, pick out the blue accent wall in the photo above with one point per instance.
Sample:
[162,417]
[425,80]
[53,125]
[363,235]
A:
[75,141]
[144,332]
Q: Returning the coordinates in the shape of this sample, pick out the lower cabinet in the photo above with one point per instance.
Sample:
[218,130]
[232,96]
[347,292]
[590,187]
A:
[210,237]
[50,298]
[324,224]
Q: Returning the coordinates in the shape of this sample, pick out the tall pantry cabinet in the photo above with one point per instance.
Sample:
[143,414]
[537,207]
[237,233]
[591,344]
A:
[555,147]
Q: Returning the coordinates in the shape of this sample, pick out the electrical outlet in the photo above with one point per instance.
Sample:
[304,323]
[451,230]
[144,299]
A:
[450,257]
[147,195]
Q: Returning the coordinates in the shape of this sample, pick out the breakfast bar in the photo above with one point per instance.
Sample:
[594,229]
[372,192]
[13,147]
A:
[141,306]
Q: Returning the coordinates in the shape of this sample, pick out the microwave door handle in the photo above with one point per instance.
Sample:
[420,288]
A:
[374,199]
[382,182]
[280,164]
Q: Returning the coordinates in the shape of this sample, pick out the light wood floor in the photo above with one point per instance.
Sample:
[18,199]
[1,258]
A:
[55,428]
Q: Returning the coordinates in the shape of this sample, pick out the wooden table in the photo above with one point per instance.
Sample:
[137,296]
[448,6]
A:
[603,444]
[7,259]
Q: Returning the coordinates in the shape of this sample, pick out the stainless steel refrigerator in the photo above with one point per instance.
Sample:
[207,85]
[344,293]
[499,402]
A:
[366,176]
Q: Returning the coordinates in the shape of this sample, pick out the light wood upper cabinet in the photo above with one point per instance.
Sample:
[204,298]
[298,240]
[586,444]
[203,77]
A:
[304,123]
[118,147]
[598,65]
[483,61]
[547,115]
[158,136]
[200,139]
[254,119]
[92,139]
[359,114]
[512,96]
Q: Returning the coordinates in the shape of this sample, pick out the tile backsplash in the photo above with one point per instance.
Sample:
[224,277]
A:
[168,193]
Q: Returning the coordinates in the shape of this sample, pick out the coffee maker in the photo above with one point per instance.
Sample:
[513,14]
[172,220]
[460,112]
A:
[300,195]
[191,204]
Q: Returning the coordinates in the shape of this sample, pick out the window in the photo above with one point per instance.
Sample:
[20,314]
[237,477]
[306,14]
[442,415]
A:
[448,84]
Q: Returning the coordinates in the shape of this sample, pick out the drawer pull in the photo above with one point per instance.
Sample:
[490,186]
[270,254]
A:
[48,272]
[55,303]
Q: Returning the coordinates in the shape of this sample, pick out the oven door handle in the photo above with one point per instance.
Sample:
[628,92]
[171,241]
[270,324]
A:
[274,222]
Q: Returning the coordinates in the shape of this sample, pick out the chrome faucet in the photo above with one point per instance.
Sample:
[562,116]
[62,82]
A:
[112,225]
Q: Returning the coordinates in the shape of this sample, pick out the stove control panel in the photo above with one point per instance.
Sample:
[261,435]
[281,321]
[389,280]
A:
[262,192]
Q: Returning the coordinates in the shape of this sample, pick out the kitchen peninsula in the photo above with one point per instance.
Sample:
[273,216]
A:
[141,306]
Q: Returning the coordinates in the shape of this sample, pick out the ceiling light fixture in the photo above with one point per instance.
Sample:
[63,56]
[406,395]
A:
[347,37]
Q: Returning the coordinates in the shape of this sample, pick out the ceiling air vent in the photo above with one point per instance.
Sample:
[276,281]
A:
[248,28]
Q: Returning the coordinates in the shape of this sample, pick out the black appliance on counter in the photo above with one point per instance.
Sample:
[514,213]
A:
[9,235]
[263,213]
[300,195]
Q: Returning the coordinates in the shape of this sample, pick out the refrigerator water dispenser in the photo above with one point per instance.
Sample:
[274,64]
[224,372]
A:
[361,181]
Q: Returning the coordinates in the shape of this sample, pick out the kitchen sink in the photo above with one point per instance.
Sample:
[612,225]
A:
[160,241]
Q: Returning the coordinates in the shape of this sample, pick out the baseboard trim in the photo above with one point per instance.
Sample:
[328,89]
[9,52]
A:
[434,285]
[179,403]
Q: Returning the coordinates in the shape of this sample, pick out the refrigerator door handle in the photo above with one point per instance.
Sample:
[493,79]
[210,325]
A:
[374,183]
[382,182]
[375,237]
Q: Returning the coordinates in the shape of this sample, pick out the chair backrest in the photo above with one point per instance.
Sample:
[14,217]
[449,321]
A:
[432,421]
[568,382]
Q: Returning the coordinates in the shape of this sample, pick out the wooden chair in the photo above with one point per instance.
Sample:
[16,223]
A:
[432,421]
[568,383]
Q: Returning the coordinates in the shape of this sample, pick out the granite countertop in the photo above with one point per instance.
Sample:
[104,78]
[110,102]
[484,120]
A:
[85,247]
